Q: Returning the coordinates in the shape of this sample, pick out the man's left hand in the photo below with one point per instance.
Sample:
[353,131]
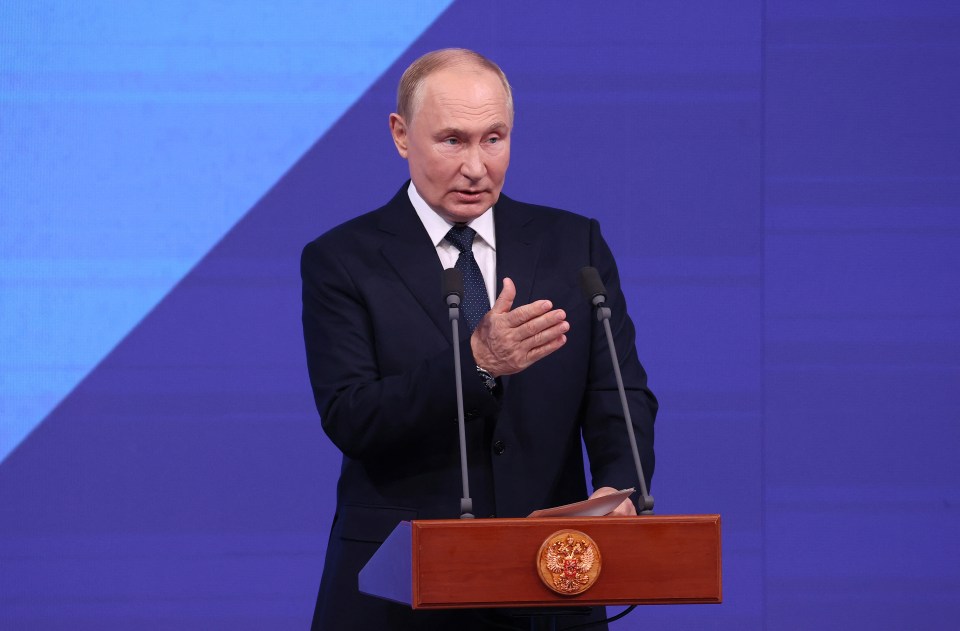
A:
[626,507]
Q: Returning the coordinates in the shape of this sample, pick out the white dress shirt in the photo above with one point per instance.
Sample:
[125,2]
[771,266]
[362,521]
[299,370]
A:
[484,244]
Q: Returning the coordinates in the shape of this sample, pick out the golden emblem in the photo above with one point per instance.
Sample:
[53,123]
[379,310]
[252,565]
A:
[569,562]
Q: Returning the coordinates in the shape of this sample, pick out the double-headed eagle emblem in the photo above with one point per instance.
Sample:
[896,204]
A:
[569,562]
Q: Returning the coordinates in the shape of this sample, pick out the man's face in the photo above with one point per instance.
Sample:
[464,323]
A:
[457,141]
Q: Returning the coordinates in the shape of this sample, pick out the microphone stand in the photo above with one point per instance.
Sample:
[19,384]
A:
[593,286]
[453,304]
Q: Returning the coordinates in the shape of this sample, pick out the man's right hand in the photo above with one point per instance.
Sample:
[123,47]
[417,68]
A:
[508,340]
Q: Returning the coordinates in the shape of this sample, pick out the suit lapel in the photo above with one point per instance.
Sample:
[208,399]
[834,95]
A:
[408,250]
[518,248]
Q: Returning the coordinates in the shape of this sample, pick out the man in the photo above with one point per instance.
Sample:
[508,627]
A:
[537,374]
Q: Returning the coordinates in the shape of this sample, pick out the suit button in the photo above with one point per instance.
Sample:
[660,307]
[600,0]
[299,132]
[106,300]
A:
[499,447]
[471,414]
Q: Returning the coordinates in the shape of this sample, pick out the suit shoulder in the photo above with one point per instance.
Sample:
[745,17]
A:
[360,226]
[556,216]
[362,231]
[511,205]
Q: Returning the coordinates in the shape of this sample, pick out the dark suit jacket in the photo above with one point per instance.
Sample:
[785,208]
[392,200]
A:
[380,358]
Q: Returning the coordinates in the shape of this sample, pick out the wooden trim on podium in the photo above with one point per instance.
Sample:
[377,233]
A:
[493,562]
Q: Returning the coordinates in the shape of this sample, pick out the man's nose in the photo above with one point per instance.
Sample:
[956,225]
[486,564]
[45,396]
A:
[473,166]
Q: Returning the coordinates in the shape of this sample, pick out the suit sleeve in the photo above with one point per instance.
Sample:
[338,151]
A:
[602,422]
[365,412]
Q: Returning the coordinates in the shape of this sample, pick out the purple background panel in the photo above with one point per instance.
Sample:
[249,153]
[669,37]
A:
[780,186]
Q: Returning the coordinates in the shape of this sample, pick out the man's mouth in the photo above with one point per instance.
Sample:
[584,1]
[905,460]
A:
[469,196]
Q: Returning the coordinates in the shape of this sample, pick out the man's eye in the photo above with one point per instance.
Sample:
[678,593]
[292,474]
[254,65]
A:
[451,141]
[493,140]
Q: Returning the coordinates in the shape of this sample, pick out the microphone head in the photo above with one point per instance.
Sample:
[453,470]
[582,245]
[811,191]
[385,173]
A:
[451,283]
[592,286]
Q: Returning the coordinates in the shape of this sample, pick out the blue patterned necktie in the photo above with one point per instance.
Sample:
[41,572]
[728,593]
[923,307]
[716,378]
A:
[476,303]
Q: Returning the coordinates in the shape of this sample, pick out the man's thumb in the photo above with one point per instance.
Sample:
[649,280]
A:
[505,300]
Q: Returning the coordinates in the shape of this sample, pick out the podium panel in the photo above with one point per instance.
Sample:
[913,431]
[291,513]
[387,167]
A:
[480,563]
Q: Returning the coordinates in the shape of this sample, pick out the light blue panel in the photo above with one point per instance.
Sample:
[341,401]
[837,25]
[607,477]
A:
[132,137]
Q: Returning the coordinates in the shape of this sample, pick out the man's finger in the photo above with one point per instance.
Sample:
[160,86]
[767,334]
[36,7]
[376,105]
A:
[524,313]
[548,334]
[535,326]
[539,352]
[625,509]
[505,300]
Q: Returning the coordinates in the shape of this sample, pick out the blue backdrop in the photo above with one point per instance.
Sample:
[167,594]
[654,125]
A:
[780,183]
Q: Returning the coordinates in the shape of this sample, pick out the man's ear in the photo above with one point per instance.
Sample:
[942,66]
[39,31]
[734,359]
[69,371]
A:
[398,129]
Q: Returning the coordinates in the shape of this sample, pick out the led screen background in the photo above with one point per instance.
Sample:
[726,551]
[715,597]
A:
[779,182]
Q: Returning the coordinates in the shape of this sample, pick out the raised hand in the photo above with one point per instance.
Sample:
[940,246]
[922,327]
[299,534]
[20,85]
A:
[509,340]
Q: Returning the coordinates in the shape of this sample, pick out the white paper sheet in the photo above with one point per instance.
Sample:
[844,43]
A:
[595,507]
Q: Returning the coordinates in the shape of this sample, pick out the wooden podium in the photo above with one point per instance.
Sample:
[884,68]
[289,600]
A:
[479,563]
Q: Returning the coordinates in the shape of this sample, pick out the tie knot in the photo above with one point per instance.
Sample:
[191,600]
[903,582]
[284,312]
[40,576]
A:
[462,237]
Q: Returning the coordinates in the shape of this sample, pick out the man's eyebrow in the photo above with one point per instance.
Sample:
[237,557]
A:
[449,131]
[455,131]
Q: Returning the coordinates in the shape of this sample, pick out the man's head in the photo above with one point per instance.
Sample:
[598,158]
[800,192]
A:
[453,121]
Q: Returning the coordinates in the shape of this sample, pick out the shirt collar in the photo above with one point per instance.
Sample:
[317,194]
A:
[438,227]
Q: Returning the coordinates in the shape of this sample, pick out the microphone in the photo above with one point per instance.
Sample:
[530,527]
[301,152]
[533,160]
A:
[596,293]
[592,286]
[451,284]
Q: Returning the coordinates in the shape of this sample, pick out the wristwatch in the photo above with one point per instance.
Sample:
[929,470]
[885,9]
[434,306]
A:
[488,380]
